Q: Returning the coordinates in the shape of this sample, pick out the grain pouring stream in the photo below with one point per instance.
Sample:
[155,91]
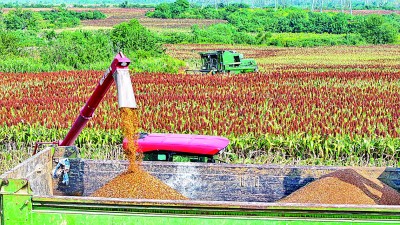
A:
[135,182]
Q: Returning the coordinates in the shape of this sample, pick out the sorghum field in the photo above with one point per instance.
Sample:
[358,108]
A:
[330,106]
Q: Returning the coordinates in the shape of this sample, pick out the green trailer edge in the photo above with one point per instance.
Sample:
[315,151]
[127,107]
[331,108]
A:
[18,205]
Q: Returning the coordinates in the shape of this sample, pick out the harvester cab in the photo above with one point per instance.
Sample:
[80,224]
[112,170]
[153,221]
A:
[222,61]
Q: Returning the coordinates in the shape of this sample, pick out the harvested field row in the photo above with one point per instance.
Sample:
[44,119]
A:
[111,11]
[385,55]
[118,15]
[367,12]
[152,22]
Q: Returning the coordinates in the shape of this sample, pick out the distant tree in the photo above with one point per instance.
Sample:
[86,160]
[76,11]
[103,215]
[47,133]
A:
[22,20]
[61,17]
[98,15]
[196,33]
[298,21]
[8,43]
[210,13]
[184,4]
[320,23]
[375,30]
[284,25]
[77,49]
[124,4]
[231,8]
[340,24]
[162,10]
[221,33]
[132,36]
[178,7]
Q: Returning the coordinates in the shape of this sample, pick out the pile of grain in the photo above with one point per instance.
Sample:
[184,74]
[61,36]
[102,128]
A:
[346,186]
[135,182]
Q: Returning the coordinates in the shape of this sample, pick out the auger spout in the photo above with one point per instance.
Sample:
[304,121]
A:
[126,98]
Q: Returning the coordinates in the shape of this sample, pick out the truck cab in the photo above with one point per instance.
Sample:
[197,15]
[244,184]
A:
[179,147]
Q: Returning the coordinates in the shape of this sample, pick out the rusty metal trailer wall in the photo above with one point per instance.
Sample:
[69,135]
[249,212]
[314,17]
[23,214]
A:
[220,182]
[197,181]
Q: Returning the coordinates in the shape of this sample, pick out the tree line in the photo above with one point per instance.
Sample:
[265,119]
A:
[20,19]
[310,4]
[46,50]
[375,29]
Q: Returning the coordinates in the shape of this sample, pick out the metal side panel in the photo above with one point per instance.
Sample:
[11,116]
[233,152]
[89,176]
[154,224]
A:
[15,201]
[16,209]
[225,182]
[78,210]
[36,170]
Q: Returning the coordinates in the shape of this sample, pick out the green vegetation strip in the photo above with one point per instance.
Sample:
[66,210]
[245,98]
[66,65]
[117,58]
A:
[17,144]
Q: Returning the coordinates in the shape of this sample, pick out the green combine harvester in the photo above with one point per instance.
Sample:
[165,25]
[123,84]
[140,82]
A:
[225,61]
